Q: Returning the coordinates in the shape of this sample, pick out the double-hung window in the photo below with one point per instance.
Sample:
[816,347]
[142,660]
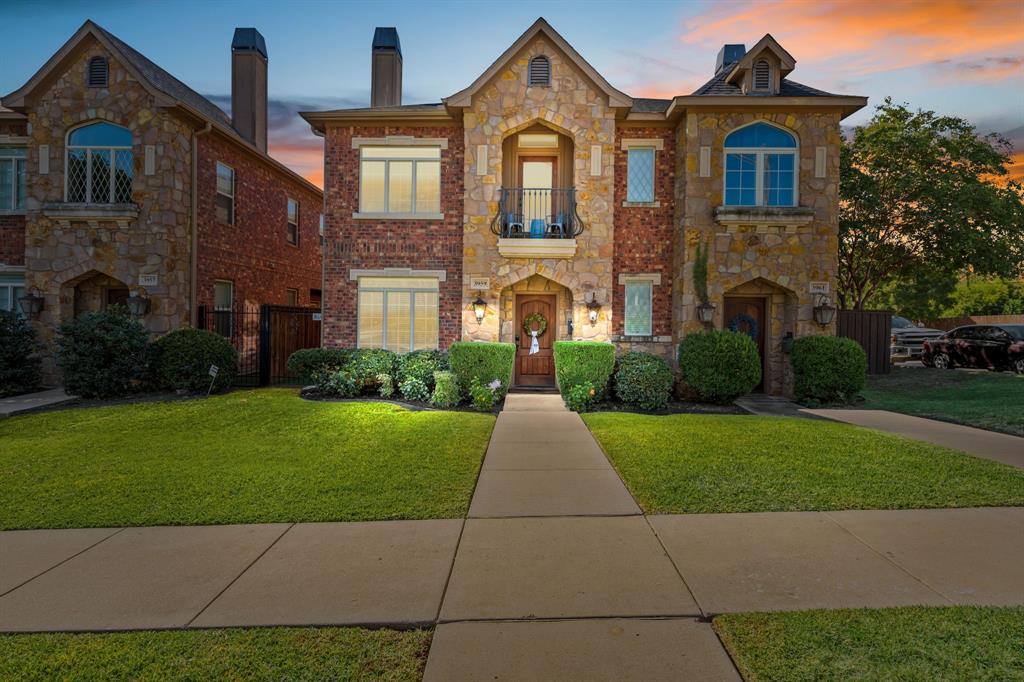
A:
[640,175]
[403,181]
[12,287]
[225,201]
[99,165]
[12,178]
[398,313]
[760,167]
[223,306]
[638,307]
[292,234]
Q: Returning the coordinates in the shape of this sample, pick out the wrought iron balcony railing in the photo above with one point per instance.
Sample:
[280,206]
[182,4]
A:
[541,213]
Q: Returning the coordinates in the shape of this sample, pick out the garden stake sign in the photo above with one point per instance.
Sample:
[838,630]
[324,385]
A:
[214,371]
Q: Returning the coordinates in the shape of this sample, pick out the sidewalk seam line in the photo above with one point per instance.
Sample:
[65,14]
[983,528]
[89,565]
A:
[62,562]
[243,572]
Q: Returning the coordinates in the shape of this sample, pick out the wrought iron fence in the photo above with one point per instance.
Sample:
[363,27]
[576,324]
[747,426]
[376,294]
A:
[537,213]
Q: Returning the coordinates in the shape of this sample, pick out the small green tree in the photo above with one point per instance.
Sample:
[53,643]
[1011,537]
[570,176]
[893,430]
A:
[19,364]
[700,272]
[974,296]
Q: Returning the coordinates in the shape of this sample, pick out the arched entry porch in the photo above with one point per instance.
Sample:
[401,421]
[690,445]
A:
[541,305]
[765,311]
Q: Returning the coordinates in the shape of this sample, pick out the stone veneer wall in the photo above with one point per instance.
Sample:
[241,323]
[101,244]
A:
[775,262]
[644,237]
[534,284]
[253,253]
[571,106]
[60,255]
[376,244]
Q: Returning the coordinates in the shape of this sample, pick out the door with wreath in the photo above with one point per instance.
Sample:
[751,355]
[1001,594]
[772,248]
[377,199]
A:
[746,315]
[535,337]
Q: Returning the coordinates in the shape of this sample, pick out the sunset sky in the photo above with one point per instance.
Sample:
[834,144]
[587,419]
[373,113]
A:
[963,58]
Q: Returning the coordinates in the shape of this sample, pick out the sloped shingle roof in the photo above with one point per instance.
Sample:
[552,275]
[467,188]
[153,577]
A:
[788,88]
[647,105]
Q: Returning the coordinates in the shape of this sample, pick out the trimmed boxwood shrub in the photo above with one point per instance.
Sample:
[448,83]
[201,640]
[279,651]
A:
[581,397]
[719,365]
[307,362]
[582,362]
[181,361]
[366,364]
[643,381]
[828,369]
[482,361]
[446,390]
[421,364]
[103,354]
[19,365]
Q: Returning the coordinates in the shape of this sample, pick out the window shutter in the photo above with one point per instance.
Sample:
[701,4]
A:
[150,161]
[540,71]
[44,159]
[595,160]
[819,162]
[705,162]
[762,75]
[97,75]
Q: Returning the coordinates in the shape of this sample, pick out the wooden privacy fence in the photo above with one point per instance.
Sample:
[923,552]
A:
[947,323]
[872,329]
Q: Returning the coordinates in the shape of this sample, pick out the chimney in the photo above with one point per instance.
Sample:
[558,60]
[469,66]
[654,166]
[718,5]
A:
[249,86]
[386,69]
[729,55]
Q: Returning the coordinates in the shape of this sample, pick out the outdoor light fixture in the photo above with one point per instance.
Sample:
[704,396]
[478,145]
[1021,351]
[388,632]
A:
[787,342]
[138,305]
[706,312]
[592,309]
[479,309]
[824,311]
[31,303]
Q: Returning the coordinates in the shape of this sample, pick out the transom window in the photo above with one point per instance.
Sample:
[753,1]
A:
[640,174]
[99,164]
[292,234]
[12,178]
[639,307]
[398,313]
[540,71]
[760,167]
[400,180]
[225,201]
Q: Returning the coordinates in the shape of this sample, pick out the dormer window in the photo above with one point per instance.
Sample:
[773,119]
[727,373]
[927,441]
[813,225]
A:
[762,76]
[540,71]
[97,74]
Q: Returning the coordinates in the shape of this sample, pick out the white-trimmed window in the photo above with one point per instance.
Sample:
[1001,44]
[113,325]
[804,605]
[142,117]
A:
[401,181]
[99,165]
[12,178]
[12,287]
[760,167]
[640,175]
[292,234]
[223,305]
[291,297]
[398,313]
[225,201]
[639,307]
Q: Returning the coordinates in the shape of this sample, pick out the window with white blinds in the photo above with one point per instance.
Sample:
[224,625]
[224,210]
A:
[398,313]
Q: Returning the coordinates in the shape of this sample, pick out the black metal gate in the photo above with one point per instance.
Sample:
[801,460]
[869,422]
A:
[264,337]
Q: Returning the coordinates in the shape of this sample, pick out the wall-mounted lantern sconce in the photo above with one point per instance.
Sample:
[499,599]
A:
[824,311]
[479,309]
[593,307]
[706,312]
[568,325]
[787,343]
[31,304]
[138,305]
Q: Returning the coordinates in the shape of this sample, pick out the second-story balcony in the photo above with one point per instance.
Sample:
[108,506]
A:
[537,222]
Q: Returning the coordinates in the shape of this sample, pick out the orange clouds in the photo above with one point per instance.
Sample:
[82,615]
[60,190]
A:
[302,157]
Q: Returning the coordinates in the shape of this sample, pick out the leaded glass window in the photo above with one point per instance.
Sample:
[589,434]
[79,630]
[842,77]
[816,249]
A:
[639,308]
[99,168]
[640,175]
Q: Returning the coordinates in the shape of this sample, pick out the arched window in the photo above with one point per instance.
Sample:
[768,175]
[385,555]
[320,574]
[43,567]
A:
[540,71]
[96,76]
[762,76]
[99,165]
[760,166]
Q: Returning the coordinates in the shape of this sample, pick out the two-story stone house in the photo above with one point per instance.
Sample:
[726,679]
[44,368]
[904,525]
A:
[118,180]
[541,192]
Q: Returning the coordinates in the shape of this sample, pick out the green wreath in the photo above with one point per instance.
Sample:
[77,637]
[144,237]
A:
[542,324]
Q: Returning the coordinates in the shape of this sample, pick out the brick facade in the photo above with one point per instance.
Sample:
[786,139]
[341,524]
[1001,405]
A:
[12,240]
[360,244]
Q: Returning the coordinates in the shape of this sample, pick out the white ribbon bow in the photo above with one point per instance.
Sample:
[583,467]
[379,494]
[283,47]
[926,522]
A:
[534,346]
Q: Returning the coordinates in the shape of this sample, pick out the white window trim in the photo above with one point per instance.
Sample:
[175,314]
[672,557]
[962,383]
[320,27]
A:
[630,142]
[387,215]
[399,141]
[412,291]
[231,285]
[287,293]
[654,203]
[11,287]
[234,191]
[638,279]
[13,210]
[759,165]
[89,149]
[440,275]
[288,221]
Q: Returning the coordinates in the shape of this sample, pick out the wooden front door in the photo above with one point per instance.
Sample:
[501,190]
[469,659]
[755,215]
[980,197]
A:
[747,315]
[537,369]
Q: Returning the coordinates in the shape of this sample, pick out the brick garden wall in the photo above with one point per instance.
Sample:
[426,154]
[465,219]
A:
[374,244]
[254,253]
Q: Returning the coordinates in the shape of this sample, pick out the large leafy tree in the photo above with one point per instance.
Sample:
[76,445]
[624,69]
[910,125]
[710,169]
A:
[924,193]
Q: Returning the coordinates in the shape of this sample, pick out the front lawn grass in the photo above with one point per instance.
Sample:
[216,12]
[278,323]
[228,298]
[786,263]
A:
[926,644]
[261,654]
[722,463]
[985,400]
[244,457]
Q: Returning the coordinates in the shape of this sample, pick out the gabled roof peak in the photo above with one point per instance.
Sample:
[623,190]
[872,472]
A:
[786,60]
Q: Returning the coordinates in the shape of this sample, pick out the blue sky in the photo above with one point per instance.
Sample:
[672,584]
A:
[954,57]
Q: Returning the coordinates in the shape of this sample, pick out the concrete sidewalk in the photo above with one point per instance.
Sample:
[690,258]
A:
[1001,447]
[19,404]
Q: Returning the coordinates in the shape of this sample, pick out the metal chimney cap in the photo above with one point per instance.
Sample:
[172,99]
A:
[386,38]
[249,40]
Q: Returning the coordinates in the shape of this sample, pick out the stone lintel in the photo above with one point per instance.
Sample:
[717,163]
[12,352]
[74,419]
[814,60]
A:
[66,213]
[537,248]
[782,216]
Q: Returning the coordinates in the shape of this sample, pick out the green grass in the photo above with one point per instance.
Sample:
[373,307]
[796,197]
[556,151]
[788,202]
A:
[986,400]
[925,644]
[263,654]
[724,463]
[244,457]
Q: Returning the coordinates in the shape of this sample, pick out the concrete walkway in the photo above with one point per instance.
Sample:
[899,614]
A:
[28,402]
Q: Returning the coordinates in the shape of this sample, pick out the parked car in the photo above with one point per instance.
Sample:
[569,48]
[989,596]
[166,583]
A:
[988,346]
[907,340]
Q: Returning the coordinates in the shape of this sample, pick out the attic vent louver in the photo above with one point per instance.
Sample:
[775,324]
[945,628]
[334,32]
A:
[762,76]
[540,71]
[97,74]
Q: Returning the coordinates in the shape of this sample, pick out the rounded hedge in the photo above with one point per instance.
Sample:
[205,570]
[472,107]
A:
[584,362]
[483,361]
[719,365]
[828,369]
[19,364]
[307,362]
[103,354]
[182,360]
[366,364]
[643,381]
[421,365]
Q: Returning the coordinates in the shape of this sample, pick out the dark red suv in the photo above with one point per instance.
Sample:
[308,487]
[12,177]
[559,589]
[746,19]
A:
[987,346]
